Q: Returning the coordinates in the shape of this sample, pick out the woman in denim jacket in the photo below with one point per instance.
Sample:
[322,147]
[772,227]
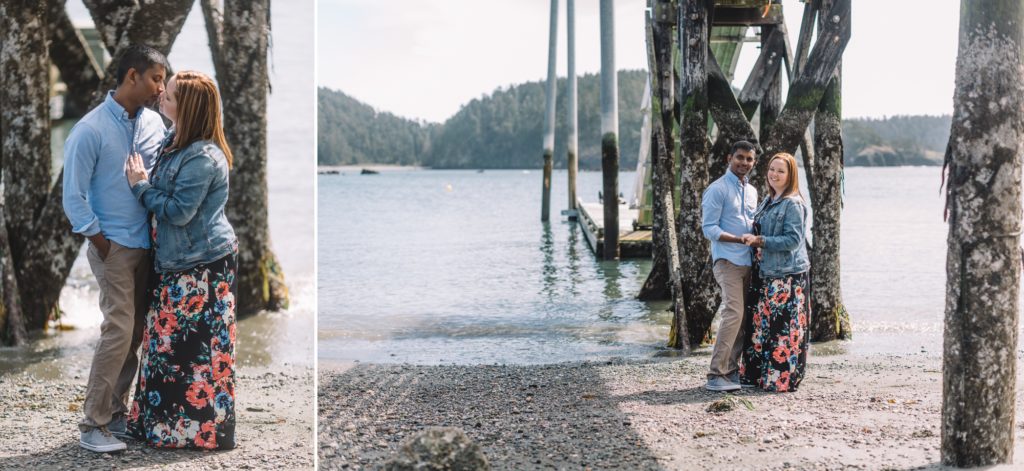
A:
[775,344]
[185,396]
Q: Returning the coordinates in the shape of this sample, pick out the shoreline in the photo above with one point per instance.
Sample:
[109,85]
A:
[878,411]
[324,169]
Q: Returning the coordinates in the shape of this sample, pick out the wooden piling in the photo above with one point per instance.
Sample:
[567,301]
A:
[701,293]
[830,319]
[659,283]
[572,164]
[771,104]
[609,132]
[983,262]
[809,87]
[666,243]
[549,115]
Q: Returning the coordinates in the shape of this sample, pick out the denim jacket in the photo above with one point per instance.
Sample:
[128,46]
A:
[784,227]
[187,192]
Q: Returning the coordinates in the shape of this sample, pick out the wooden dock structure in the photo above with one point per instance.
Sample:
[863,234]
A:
[633,242]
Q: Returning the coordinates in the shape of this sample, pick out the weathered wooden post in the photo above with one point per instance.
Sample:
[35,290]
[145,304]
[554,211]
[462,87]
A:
[830,320]
[24,147]
[79,69]
[572,163]
[609,132]
[238,41]
[771,105]
[660,22]
[699,288]
[24,119]
[983,262]
[549,115]
[13,330]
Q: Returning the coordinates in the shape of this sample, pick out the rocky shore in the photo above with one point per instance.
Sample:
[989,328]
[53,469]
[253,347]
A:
[274,430]
[851,412]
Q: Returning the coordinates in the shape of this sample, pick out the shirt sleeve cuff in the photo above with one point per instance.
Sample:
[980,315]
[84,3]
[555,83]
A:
[713,233]
[90,230]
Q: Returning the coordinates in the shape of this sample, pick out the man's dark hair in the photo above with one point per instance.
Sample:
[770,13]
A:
[741,145]
[139,57]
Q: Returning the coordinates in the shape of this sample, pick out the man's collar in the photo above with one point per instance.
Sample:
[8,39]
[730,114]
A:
[116,109]
[732,176]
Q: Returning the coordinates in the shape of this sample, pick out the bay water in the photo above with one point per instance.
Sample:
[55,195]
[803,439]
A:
[455,267]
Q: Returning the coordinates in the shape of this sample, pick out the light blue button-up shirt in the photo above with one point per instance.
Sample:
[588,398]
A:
[728,205]
[97,197]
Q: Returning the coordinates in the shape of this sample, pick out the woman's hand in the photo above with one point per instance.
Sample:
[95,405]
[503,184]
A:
[753,240]
[136,169]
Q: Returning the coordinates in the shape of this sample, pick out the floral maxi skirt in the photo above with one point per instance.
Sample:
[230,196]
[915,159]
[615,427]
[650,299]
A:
[185,396]
[775,333]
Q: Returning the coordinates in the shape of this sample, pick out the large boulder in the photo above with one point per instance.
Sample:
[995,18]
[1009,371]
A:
[438,448]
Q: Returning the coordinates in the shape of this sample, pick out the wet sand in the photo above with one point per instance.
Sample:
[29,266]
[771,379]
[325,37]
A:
[852,412]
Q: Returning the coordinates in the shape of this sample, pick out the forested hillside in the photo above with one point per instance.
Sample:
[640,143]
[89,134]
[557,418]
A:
[898,140]
[504,130]
[350,132]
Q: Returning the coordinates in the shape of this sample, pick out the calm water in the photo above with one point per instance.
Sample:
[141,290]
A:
[270,338]
[455,267]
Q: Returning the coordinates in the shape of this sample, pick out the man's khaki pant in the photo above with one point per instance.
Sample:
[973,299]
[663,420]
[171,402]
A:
[123,278]
[733,280]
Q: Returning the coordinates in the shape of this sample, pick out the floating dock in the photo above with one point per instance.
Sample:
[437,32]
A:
[633,243]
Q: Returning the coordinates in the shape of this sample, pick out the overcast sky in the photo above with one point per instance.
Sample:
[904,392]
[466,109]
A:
[425,58]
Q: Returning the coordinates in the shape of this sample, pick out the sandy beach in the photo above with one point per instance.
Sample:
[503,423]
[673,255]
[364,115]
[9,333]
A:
[274,429]
[851,412]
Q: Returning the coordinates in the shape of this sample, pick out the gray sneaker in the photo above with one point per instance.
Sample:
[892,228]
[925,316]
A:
[100,440]
[119,426]
[721,383]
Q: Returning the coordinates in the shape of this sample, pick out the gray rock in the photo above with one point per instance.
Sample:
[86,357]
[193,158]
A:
[438,448]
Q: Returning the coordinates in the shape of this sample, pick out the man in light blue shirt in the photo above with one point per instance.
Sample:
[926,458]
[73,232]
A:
[99,204]
[728,206]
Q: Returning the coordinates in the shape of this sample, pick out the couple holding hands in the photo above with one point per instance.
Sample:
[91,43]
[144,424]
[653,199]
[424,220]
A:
[151,202]
[760,261]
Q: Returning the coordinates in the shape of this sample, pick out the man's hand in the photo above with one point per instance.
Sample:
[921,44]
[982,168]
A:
[101,243]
